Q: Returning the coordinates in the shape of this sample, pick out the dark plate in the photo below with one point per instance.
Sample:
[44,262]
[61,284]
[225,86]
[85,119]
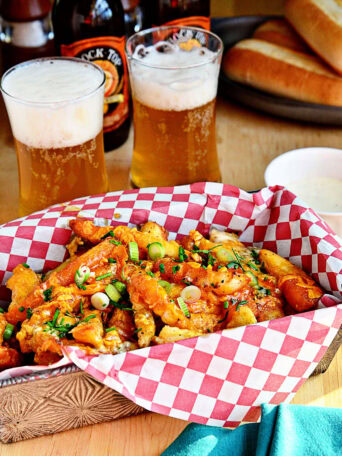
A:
[234,29]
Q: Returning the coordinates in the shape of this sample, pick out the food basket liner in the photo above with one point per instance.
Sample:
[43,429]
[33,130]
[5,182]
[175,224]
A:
[221,378]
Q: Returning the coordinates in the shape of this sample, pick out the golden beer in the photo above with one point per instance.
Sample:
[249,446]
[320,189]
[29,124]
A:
[55,108]
[174,147]
[49,176]
[174,85]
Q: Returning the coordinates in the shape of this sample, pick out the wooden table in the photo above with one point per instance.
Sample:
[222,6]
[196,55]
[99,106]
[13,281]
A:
[247,141]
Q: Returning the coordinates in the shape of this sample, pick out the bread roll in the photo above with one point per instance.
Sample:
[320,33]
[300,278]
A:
[282,71]
[279,31]
[319,22]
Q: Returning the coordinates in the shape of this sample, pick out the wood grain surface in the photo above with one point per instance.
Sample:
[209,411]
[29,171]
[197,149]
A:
[247,141]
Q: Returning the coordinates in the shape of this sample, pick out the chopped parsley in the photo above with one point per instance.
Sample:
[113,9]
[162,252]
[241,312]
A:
[175,269]
[181,253]
[255,256]
[47,294]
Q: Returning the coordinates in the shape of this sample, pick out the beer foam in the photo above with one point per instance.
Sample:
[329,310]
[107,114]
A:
[45,105]
[166,77]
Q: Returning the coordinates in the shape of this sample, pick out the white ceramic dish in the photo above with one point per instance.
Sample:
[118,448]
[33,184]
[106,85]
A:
[308,163]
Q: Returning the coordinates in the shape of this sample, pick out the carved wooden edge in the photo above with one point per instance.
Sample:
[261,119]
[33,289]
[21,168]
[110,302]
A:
[55,404]
[324,363]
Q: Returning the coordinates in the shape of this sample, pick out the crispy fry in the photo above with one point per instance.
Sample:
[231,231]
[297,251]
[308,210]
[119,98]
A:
[300,291]
[170,334]
[145,324]
[23,282]
[66,276]
[242,317]
[91,331]
[9,358]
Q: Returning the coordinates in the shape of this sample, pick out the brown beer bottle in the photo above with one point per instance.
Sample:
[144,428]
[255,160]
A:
[194,13]
[94,30]
[25,31]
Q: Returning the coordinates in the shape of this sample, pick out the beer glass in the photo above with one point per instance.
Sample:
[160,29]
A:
[55,107]
[174,74]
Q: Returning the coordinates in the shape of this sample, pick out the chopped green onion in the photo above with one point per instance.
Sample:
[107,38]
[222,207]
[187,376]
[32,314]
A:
[137,330]
[82,275]
[181,253]
[8,331]
[255,256]
[238,258]
[241,303]
[25,265]
[225,304]
[150,273]
[156,250]
[252,266]
[120,286]
[162,268]
[54,320]
[81,308]
[224,318]
[113,241]
[99,300]
[232,265]
[103,276]
[183,307]
[110,233]
[224,255]
[88,318]
[2,311]
[186,282]
[47,294]
[197,250]
[133,251]
[21,309]
[29,312]
[111,260]
[165,284]
[113,293]
[254,281]
[175,269]
[107,330]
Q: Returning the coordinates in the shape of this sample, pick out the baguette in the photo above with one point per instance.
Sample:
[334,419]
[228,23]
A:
[282,71]
[279,31]
[319,22]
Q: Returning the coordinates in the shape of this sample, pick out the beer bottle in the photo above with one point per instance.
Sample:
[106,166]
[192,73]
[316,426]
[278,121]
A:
[194,13]
[25,31]
[94,30]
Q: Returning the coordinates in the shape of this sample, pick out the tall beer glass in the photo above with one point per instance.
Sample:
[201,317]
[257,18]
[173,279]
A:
[174,74]
[55,107]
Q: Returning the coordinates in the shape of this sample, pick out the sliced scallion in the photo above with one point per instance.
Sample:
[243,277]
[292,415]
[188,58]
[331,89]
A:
[113,293]
[183,307]
[8,331]
[156,250]
[133,251]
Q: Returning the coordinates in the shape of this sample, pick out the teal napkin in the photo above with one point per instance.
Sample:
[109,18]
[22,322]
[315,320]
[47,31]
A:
[284,430]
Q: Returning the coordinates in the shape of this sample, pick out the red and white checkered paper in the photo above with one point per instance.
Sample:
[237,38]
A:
[222,378]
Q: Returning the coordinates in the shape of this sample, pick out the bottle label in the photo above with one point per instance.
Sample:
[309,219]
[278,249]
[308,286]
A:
[191,21]
[109,53]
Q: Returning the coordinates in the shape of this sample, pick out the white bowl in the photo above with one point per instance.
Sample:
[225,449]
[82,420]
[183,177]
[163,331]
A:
[304,163]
